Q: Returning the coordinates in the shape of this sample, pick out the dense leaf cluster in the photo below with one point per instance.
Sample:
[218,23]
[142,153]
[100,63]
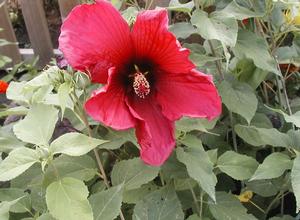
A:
[56,163]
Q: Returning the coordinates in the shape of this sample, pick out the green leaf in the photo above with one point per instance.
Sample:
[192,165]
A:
[17,162]
[177,6]
[273,166]
[216,26]
[238,166]
[262,136]
[19,110]
[135,195]
[162,204]
[294,118]
[246,71]
[198,164]
[63,96]
[9,194]
[265,188]
[239,98]
[240,12]
[67,199]
[194,217]
[258,51]
[295,178]
[294,136]
[228,207]
[182,30]
[45,216]
[4,60]
[8,141]
[106,205]
[199,124]
[14,91]
[5,207]
[133,173]
[74,144]
[35,128]
[117,139]
[82,168]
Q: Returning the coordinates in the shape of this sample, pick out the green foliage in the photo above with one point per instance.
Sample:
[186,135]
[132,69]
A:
[67,199]
[238,166]
[74,144]
[106,205]
[133,173]
[162,204]
[35,128]
[58,164]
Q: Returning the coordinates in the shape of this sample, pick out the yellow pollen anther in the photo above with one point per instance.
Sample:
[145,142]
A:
[140,85]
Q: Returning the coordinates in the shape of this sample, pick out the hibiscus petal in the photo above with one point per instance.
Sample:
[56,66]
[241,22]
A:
[155,133]
[153,41]
[95,37]
[108,105]
[192,94]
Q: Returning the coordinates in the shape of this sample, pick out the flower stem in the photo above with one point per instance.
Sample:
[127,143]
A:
[218,64]
[233,132]
[83,116]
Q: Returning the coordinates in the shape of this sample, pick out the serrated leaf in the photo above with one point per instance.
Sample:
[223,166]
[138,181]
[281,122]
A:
[133,173]
[63,96]
[8,141]
[5,207]
[17,162]
[254,47]
[35,128]
[228,207]
[262,136]
[240,12]
[106,205]
[162,204]
[177,6]
[294,118]
[67,199]
[198,164]
[135,195]
[246,71]
[200,124]
[82,168]
[182,30]
[19,110]
[273,166]
[74,144]
[22,205]
[117,139]
[238,166]
[216,26]
[295,178]
[265,188]
[239,98]
[45,216]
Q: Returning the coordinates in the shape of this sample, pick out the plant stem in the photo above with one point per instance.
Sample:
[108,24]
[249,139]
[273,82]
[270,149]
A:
[201,204]
[98,159]
[99,162]
[256,206]
[218,64]
[233,132]
[286,96]
[195,198]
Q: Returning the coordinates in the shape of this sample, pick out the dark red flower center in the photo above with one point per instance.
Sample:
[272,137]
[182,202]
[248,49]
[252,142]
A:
[139,79]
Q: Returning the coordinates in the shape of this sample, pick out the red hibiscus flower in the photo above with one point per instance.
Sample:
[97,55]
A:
[149,80]
[3,86]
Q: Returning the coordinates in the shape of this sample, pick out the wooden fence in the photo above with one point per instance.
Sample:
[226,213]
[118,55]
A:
[37,29]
